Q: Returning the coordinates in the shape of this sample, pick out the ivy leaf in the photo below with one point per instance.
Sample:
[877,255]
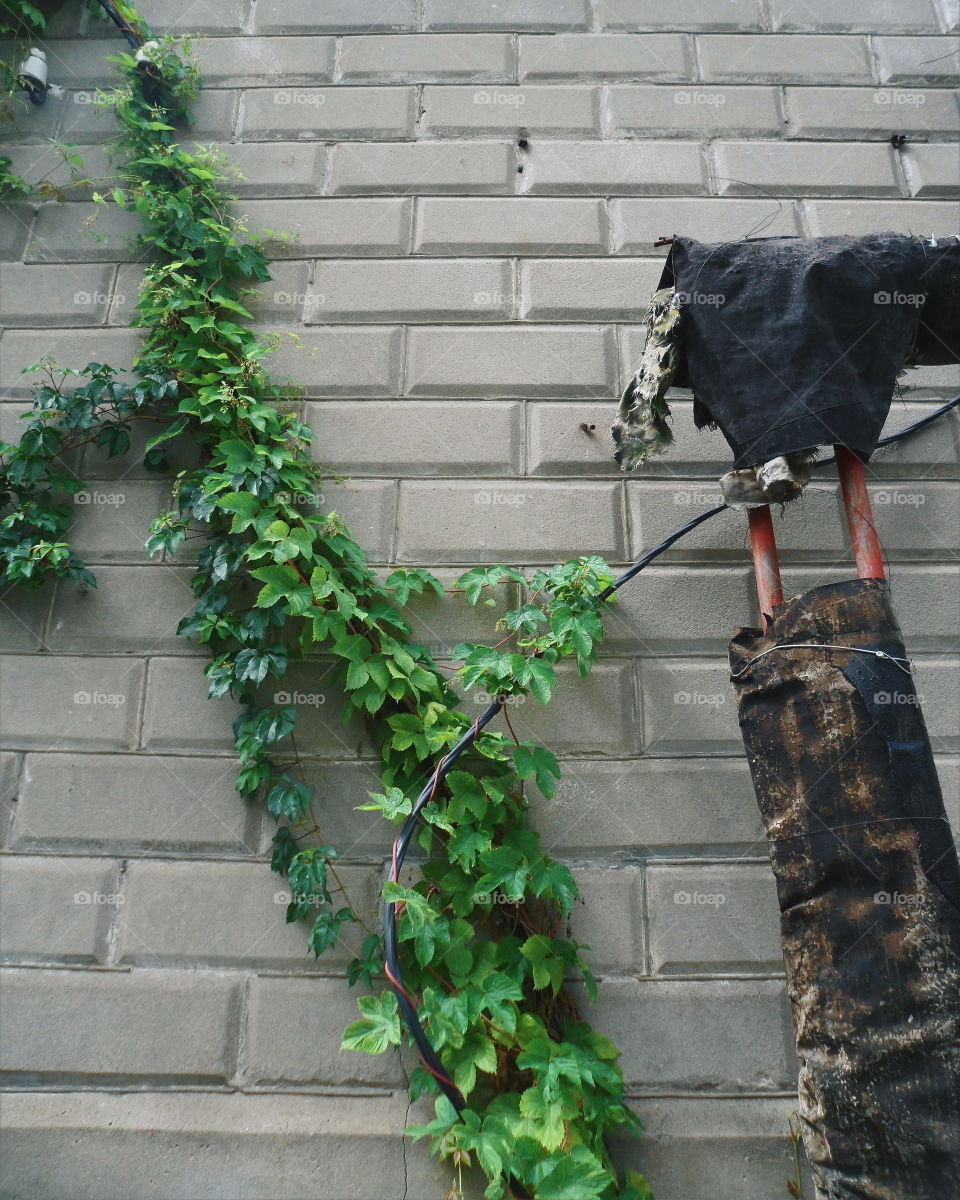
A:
[578,1175]
[284,850]
[379,1028]
[393,804]
[546,967]
[173,430]
[542,679]
[465,844]
[287,799]
[326,930]
[548,1115]
[245,507]
[530,760]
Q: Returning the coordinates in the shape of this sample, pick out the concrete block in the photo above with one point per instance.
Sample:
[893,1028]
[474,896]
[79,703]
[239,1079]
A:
[284,296]
[809,528]
[341,362]
[931,170]
[512,15]
[417,437]
[608,918]
[614,168]
[586,289]
[931,453]
[229,915]
[741,1138]
[83,121]
[312,689]
[867,114]
[78,61]
[931,383]
[320,228]
[529,361]
[187,1145]
[258,169]
[551,111]
[133,610]
[24,347]
[442,622]
[99,1028]
[181,16]
[82,233]
[43,166]
[641,15]
[292,1038]
[917,519]
[23,616]
[422,167]
[265,62]
[637,225]
[338,788]
[825,217]
[661,57]
[887,16]
[70,703]
[337,16]
[909,60]
[411,290]
[56,910]
[179,717]
[720,1034]
[938,690]
[566,726]
[512,225]
[493,521]
[127,803]
[711,920]
[651,807]
[328,114]
[113,519]
[15,232]
[56,296]
[679,610]
[775,58]
[698,112]
[806,169]
[10,770]
[557,443]
[688,707]
[369,508]
[422,58]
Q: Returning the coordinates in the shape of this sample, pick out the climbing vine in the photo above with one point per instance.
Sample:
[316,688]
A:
[482,928]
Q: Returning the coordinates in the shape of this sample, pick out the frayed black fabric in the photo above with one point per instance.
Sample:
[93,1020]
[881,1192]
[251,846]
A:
[791,343]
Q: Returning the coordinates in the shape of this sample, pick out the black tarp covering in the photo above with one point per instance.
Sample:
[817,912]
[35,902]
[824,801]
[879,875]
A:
[869,890]
[791,343]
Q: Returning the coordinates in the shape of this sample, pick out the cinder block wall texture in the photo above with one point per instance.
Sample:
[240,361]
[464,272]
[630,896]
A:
[468,311]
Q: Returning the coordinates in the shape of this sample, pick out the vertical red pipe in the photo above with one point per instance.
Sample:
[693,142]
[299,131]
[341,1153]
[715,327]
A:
[766,564]
[856,500]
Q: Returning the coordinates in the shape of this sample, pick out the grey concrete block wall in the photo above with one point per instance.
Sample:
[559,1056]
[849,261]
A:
[467,311]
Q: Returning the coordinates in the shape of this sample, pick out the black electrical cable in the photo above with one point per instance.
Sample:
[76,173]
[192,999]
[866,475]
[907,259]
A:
[125,28]
[392,967]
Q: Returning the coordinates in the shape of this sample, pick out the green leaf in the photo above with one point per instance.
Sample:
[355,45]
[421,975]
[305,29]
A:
[326,930]
[380,1027]
[172,431]
[289,800]
[578,1175]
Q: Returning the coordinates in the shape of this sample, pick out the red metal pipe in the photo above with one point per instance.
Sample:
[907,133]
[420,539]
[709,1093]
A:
[766,564]
[867,553]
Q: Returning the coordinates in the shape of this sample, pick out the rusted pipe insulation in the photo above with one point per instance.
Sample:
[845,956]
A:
[869,890]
